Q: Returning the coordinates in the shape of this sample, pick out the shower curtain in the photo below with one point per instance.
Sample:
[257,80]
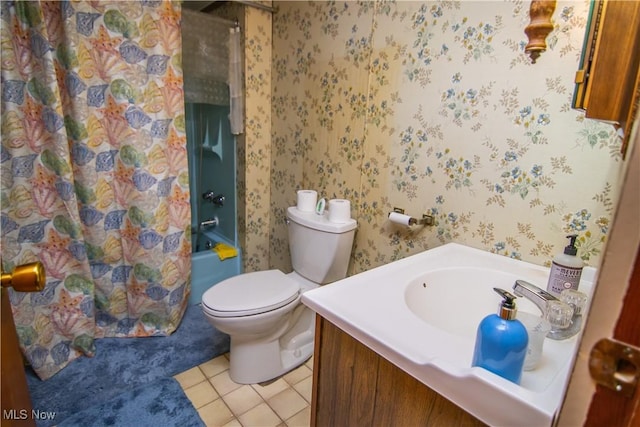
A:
[94,172]
[236,97]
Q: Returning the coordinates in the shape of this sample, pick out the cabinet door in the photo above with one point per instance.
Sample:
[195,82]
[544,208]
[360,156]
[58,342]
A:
[354,386]
[402,397]
[344,379]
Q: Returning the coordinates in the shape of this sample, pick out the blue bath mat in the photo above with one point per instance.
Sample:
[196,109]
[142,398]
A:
[159,403]
[121,364]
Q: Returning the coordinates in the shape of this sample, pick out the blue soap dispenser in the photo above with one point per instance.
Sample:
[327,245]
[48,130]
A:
[501,341]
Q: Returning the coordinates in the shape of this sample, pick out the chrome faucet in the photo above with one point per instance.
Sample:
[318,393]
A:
[534,294]
[211,222]
[561,327]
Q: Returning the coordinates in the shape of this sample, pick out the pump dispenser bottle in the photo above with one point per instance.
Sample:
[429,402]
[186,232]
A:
[501,341]
[566,269]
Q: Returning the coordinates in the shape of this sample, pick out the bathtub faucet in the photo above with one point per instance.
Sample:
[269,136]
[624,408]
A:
[211,222]
[211,196]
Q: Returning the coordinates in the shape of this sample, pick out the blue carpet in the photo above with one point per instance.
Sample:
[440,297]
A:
[159,403]
[121,364]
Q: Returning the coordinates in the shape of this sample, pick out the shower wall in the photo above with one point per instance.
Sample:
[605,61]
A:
[212,166]
[253,147]
[212,151]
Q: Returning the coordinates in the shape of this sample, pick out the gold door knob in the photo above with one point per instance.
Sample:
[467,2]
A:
[26,278]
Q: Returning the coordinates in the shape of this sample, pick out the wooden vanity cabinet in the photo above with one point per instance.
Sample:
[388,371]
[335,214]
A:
[354,386]
[607,82]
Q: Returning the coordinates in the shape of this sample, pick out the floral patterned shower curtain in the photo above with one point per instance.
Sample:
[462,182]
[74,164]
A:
[94,172]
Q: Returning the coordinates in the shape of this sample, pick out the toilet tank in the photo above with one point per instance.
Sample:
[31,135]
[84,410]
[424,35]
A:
[320,249]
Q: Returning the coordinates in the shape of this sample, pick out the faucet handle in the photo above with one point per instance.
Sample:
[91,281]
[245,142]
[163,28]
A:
[559,314]
[218,200]
[576,299]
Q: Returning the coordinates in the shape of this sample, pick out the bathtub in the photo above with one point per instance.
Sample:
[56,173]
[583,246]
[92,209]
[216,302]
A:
[206,267]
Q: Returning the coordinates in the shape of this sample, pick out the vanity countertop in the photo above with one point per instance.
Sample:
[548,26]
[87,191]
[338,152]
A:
[372,307]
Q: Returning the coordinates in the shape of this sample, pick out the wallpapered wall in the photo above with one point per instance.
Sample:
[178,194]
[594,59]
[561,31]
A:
[254,145]
[434,107]
[255,215]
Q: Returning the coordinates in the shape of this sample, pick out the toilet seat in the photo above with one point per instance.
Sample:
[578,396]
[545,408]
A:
[250,293]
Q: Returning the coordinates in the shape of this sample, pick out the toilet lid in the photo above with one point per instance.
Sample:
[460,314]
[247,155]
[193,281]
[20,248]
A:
[251,293]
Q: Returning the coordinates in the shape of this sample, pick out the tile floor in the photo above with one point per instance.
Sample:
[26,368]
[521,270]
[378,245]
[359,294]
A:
[222,402]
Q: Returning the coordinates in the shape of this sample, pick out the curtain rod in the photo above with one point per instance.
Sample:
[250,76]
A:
[257,5]
[211,17]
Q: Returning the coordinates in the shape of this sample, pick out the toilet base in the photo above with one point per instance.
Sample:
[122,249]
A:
[253,362]
[246,368]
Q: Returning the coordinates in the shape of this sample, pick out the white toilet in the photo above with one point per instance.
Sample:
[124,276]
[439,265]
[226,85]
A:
[271,331]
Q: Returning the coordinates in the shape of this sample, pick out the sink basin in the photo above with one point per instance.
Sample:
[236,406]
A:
[421,313]
[437,296]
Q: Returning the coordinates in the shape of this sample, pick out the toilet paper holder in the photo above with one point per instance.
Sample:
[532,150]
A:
[425,220]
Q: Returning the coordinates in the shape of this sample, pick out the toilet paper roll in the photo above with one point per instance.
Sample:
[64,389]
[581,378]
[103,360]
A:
[307,200]
[339,210]
[399,218]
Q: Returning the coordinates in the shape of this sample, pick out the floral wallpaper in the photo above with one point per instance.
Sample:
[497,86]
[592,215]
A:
[434,107]
[254,210]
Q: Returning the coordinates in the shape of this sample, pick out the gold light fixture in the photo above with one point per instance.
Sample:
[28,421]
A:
[540,13]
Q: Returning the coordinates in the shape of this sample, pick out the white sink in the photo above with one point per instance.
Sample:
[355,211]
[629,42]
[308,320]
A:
[434,296]
[421,313]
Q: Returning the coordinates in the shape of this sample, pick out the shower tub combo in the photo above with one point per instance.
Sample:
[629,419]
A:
[207,268]
[212,173]
[213,107]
